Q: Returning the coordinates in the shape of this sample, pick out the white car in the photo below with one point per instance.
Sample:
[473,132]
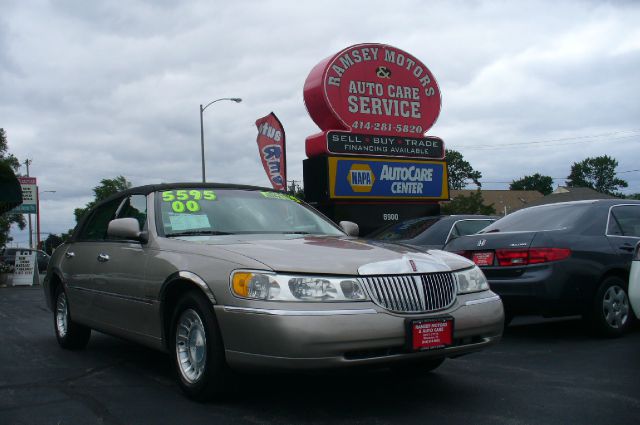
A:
[634,282]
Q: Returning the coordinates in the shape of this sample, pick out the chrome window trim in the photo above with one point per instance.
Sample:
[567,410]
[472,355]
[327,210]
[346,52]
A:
[299,312]
[606,229]
[482,300]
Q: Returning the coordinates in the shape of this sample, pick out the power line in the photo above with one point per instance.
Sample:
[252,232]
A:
[556,178]
[592,138]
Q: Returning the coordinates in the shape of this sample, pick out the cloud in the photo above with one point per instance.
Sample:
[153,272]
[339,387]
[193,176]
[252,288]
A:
[92,90]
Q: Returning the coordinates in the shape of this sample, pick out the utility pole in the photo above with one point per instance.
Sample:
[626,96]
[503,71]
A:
[28,162]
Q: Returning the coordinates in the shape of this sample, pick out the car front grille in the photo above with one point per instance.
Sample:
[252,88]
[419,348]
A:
[412,293]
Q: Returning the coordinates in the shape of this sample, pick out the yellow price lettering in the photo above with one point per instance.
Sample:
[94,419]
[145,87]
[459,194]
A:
[177,206]
[187,195]
[193,206]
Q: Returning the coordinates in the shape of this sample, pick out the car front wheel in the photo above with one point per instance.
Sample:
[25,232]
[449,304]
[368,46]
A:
[70,335]
[197,348]
[611,312]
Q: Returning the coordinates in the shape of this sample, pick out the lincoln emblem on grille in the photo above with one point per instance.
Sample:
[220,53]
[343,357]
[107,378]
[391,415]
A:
[413,265]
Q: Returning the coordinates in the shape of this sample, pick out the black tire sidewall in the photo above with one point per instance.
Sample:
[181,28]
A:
[598,318]
[214,378]
[77,335]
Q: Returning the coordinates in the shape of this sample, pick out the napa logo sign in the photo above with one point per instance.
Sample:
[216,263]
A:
[371,178]
[361,178]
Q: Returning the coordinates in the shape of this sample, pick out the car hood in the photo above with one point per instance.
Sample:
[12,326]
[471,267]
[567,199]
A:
[336,255]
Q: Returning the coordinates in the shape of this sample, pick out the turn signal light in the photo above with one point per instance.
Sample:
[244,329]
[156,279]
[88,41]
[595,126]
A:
[240,283]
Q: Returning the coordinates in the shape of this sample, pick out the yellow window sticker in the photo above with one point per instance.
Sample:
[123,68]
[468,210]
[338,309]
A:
[283,196]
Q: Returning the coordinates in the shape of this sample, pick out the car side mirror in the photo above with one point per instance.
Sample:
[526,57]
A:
[350,228]
[126,228]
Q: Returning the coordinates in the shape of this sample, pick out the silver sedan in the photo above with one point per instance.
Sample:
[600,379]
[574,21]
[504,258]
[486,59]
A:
[227,276]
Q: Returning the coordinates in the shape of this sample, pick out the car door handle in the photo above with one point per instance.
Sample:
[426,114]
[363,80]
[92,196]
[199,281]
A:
[103,258]
[69,254]
[627,248]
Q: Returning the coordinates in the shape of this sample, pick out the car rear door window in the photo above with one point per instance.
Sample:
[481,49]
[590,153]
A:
[624,220]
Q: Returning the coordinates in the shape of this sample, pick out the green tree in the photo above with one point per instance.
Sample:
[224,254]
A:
[106,188]
[472,204]
[633,196]
[543,184]
[598,173]
[51,243]
[6,220]
[460,171]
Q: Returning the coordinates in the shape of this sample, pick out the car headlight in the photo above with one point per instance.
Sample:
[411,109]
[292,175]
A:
[471,280]
[279,287]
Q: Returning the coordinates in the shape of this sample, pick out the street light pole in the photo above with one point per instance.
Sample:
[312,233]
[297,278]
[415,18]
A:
[234,99]
[28,162]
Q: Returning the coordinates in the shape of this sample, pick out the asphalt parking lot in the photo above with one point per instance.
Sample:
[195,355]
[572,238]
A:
[543,372]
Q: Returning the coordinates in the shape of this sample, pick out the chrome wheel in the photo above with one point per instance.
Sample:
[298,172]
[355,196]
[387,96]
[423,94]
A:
[62,315]
[615,306]
[191,346]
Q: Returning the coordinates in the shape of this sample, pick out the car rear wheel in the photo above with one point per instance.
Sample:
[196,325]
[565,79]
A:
[417,368]
[197,348]
[70,335]
[611,312]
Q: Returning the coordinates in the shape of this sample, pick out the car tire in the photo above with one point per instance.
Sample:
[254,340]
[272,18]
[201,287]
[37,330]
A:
[611,313]
[417,368]
[70,335]
[197,349]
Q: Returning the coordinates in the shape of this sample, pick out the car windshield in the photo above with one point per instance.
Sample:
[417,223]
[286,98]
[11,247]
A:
[206,211]
[404,230]
[548,217]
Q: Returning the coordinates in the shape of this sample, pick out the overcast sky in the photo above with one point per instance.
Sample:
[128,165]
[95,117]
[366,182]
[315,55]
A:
[95,89]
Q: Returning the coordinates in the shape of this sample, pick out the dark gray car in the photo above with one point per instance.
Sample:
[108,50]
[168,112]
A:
[432,232]
[569,258]
[223,276]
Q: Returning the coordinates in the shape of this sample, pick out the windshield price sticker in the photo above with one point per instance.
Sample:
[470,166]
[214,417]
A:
[187,200]
[283,196]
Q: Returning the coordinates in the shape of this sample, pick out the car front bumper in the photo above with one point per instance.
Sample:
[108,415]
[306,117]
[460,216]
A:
[355,334]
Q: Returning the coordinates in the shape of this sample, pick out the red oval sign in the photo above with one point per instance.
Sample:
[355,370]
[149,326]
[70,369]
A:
[374,89]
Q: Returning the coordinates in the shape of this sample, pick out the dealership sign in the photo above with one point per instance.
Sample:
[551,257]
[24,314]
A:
[377,90]
[272,148]
[29,196]
[387,179]
[351,143]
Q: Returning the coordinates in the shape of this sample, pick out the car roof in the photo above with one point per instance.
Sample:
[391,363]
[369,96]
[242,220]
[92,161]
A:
[609,202]
[146,189]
